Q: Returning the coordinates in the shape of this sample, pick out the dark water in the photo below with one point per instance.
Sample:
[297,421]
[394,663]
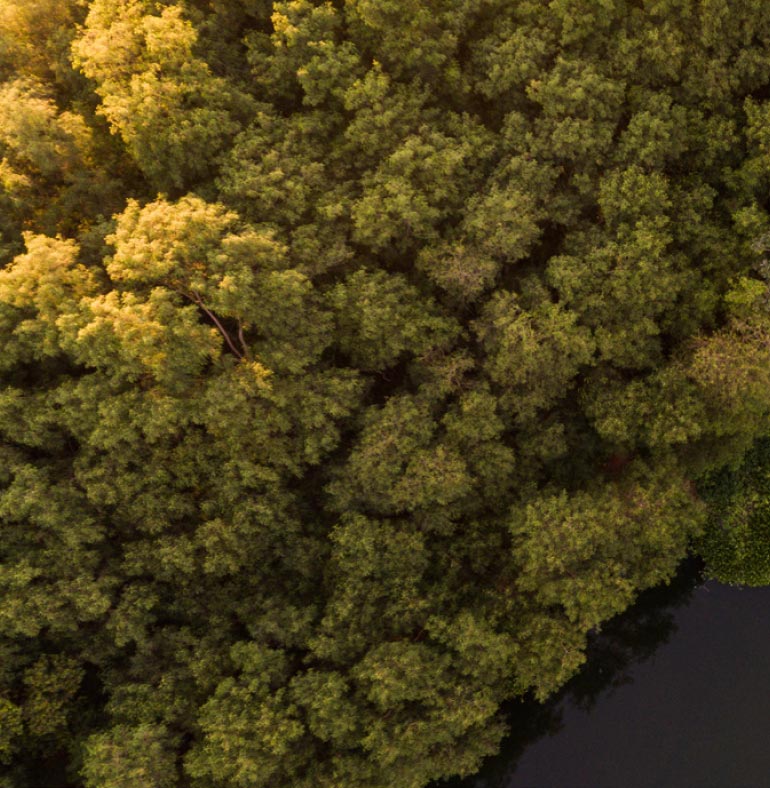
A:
[676,693]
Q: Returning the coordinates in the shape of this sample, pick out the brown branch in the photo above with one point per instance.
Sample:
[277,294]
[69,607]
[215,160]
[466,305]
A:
[242,340]
[196,299]
[218,325]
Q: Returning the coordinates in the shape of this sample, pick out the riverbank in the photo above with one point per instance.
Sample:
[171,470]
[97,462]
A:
[675,693]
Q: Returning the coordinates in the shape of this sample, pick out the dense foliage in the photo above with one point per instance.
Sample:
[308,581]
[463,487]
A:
[736,539]
[359,358]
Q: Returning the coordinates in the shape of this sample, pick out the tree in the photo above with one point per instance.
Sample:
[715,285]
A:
[357,364]
[734,542]
[172,113]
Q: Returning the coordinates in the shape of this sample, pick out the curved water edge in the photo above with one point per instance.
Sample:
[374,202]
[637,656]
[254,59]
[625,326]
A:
[675,692]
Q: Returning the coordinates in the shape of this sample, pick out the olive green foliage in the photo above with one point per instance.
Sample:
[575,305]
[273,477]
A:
[736,540]
[359,358]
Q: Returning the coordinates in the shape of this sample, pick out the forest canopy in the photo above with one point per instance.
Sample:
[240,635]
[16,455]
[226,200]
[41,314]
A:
[360,358]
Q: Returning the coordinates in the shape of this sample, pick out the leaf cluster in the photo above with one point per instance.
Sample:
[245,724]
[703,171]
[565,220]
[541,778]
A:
[359,359]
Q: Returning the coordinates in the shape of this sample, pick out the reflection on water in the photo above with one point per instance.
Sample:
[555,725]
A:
[624,642]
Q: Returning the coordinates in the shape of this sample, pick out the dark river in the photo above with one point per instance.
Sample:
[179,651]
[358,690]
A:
[676,693]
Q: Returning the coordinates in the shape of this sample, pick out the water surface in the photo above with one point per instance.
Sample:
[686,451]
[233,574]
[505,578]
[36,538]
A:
[676,693]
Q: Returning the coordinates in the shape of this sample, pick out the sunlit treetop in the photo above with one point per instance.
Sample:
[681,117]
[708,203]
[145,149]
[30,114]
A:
[359,359]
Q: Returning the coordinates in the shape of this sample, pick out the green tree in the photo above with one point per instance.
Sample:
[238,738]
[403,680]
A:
[359,359]
[173,114]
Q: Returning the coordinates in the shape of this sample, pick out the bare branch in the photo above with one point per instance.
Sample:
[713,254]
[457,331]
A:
[196,299]
[241,339]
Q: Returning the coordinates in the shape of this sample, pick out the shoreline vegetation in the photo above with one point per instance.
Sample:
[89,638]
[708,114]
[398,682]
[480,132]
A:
[360,358]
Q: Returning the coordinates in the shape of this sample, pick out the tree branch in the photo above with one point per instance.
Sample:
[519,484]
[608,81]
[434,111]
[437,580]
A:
[196,299]
[242,340]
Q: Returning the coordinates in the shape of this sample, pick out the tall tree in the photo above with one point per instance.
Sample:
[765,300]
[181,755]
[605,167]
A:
[357,363]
